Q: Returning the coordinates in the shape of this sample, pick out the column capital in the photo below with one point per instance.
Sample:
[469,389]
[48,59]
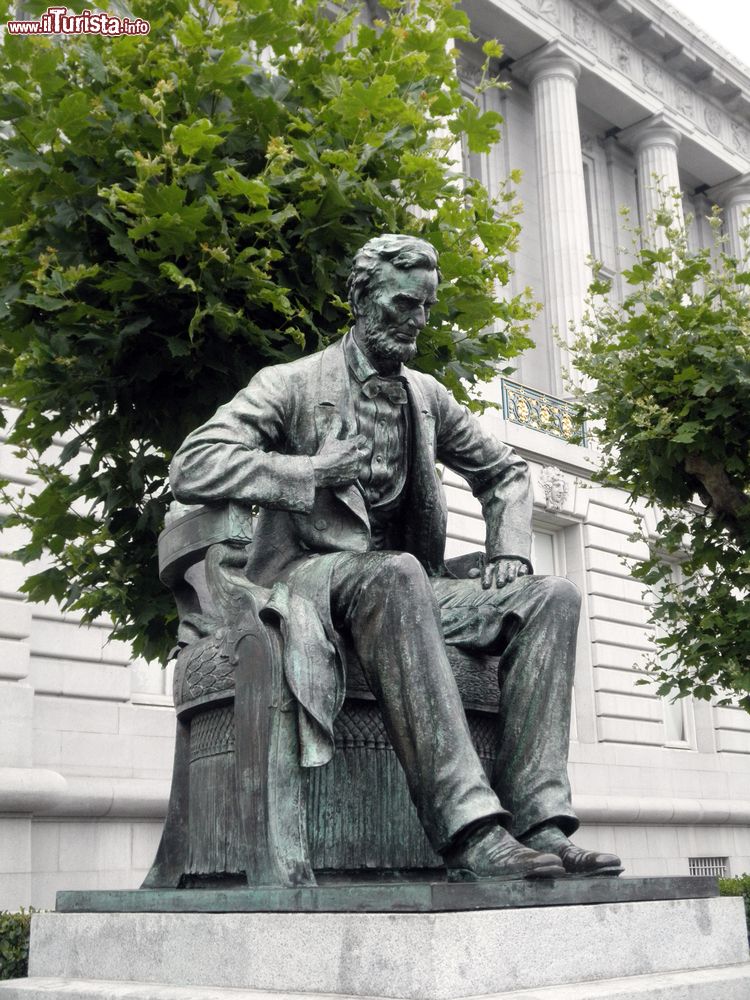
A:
[553,59]
[659,129]
[735,191]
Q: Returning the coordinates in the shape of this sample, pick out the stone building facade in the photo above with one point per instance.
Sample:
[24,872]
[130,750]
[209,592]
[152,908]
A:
[603,94]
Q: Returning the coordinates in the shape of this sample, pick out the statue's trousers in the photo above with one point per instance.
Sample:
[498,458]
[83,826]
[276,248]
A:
[397,621]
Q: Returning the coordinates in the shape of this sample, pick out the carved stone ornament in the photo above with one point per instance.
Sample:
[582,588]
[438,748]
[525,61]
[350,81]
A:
[584,29]
[684,102]
[713,119]
[587,142]
[740,139]
[550,9]
[554,482]
[619,53]
[653,78]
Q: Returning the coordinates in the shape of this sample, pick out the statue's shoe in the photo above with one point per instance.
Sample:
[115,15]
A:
[578,861]
[491,853]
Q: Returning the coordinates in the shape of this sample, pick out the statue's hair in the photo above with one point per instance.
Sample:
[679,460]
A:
[404,252]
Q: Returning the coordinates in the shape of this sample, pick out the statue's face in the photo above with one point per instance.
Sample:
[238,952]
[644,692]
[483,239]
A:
[396,309]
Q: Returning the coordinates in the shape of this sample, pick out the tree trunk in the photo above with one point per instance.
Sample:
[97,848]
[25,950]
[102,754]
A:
[727,501]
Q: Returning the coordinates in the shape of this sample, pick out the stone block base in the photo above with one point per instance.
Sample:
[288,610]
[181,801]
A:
[727,983]
[539,952]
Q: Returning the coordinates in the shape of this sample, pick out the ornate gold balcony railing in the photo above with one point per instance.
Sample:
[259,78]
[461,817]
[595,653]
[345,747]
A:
[544,413]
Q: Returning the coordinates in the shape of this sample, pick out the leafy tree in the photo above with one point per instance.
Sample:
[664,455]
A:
[15,930]
[178,210]
[739,885]
[670,405]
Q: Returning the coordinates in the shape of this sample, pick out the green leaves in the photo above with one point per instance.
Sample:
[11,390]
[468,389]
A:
[15,929]
[638,274]
[482,129]
[687,432]
[232,182]
[174,274]
[162,200]
[70,114]
[179,210]
[196,137]
[669,398]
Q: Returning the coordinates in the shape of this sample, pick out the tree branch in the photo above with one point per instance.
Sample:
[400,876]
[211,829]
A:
[727,500]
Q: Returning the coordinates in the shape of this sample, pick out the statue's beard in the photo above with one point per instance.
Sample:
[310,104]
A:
[381,342]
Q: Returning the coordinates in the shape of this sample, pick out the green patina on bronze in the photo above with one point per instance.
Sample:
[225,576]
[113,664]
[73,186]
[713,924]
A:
[414,897]
[348,701]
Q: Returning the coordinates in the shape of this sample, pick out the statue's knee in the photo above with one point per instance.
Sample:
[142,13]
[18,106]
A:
[403,568]
[560,592]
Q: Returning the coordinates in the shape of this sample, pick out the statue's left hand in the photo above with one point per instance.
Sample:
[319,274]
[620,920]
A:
[498,572]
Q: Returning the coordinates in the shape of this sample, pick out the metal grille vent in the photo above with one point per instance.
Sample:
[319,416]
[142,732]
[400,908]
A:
[709,866]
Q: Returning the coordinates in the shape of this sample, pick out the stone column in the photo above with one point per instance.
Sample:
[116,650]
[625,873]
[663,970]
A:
[655,142]
[734,197]
[16,723]
[552,75]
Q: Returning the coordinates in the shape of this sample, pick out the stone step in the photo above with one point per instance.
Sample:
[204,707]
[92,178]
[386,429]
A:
[50,988]
[730,982]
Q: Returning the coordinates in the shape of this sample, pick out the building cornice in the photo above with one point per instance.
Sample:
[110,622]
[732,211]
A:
[640,50]
[665,31]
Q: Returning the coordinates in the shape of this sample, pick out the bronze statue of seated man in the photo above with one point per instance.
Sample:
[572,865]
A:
[339,450]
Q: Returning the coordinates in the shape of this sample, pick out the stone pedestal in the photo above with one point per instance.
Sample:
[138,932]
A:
[536,948]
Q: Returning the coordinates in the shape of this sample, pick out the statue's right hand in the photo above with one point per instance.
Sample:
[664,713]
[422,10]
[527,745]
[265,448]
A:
[338,462]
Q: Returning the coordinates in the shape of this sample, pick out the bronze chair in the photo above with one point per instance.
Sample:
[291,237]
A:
[240,809]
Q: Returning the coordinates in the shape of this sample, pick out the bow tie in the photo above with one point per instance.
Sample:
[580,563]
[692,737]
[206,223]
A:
[392,389]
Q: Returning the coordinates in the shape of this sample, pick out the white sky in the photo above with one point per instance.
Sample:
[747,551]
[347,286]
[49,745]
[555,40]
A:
[728,21]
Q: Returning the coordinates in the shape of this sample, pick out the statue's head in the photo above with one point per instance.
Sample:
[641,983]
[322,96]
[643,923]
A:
[392,285]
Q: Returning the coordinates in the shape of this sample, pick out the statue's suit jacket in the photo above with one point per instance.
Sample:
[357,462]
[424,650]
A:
[256,449]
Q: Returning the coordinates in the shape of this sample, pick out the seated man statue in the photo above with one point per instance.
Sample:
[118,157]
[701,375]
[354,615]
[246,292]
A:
[338,450]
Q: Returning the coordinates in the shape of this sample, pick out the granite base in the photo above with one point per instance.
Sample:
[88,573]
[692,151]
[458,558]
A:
[410,956]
